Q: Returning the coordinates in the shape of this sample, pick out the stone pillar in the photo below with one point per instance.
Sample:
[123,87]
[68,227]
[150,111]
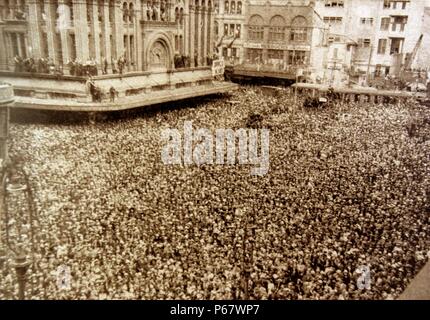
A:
[118,30]
[106,34]
[186,29]
[95,31]
[64,45]
[3,51]
[81,30]
[198,33]
[50,29]
[138,47]
[211,30]
[265,40]
[191,34]
[205,35]
[34,30]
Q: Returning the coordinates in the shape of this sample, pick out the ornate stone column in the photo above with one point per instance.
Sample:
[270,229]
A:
[206,31]
[191,34]
[197,35]
[106,34]
[50,29]
[211,30]
[95,31]
[81,30]
[33,29]
[118,30]
[3,51]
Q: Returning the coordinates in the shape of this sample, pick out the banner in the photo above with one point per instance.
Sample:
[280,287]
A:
[218,67]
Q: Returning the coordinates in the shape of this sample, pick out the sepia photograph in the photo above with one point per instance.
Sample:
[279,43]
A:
[208,150]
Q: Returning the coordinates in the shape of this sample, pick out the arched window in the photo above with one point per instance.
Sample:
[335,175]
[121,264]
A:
[130,12]
[181,16]
[239,7]
[256,27]
[277,29]
[216,29]
[101,12]
[124,12]
[176,14]
[226,7]
[111,10]
[299,29]
[233,7]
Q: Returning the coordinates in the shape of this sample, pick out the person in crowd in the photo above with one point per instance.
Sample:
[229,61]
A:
[113,93]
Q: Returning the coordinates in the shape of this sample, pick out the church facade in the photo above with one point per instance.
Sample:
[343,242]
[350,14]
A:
[143,35]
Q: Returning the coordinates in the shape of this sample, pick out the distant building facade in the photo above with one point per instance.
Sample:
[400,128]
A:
[282,37]
[372,38]
[345,40]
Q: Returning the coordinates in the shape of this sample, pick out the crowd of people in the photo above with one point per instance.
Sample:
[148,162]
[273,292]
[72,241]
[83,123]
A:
[75,67]
[32,65]
[347,186]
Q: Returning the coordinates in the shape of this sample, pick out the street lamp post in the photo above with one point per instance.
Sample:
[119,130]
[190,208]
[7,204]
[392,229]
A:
[21,266]
[21,263]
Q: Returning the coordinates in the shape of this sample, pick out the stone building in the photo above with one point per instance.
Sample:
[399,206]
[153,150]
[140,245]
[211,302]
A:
[93,50]
[147,33]
[372,38]
[271,37]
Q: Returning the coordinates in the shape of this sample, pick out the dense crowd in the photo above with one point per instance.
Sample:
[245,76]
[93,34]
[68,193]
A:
[348,186]
[75,67]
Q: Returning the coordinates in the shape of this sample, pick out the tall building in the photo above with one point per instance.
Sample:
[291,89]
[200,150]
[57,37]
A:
[147,33]
[271,38]
[133,47]
[372,38]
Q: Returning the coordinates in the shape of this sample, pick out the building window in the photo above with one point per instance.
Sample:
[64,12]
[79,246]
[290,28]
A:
[255,55]
[238,31]
[239,8]
[299,29]
[232,28]
[277,29]
[364,43]
[393,4]
[396,45]
[399,23]
[385,24]
[382,46]
[333,20]
[275,54]
[226,7]
[298,34]
[334,3]
[366,21]
[296,57]
[233,52]
[225,29]
[233,7]
[378,70]
[256,29]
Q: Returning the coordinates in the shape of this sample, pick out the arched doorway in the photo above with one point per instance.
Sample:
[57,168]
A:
[159,58]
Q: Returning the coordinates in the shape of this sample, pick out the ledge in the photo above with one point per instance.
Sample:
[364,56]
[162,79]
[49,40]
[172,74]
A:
[129,102]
